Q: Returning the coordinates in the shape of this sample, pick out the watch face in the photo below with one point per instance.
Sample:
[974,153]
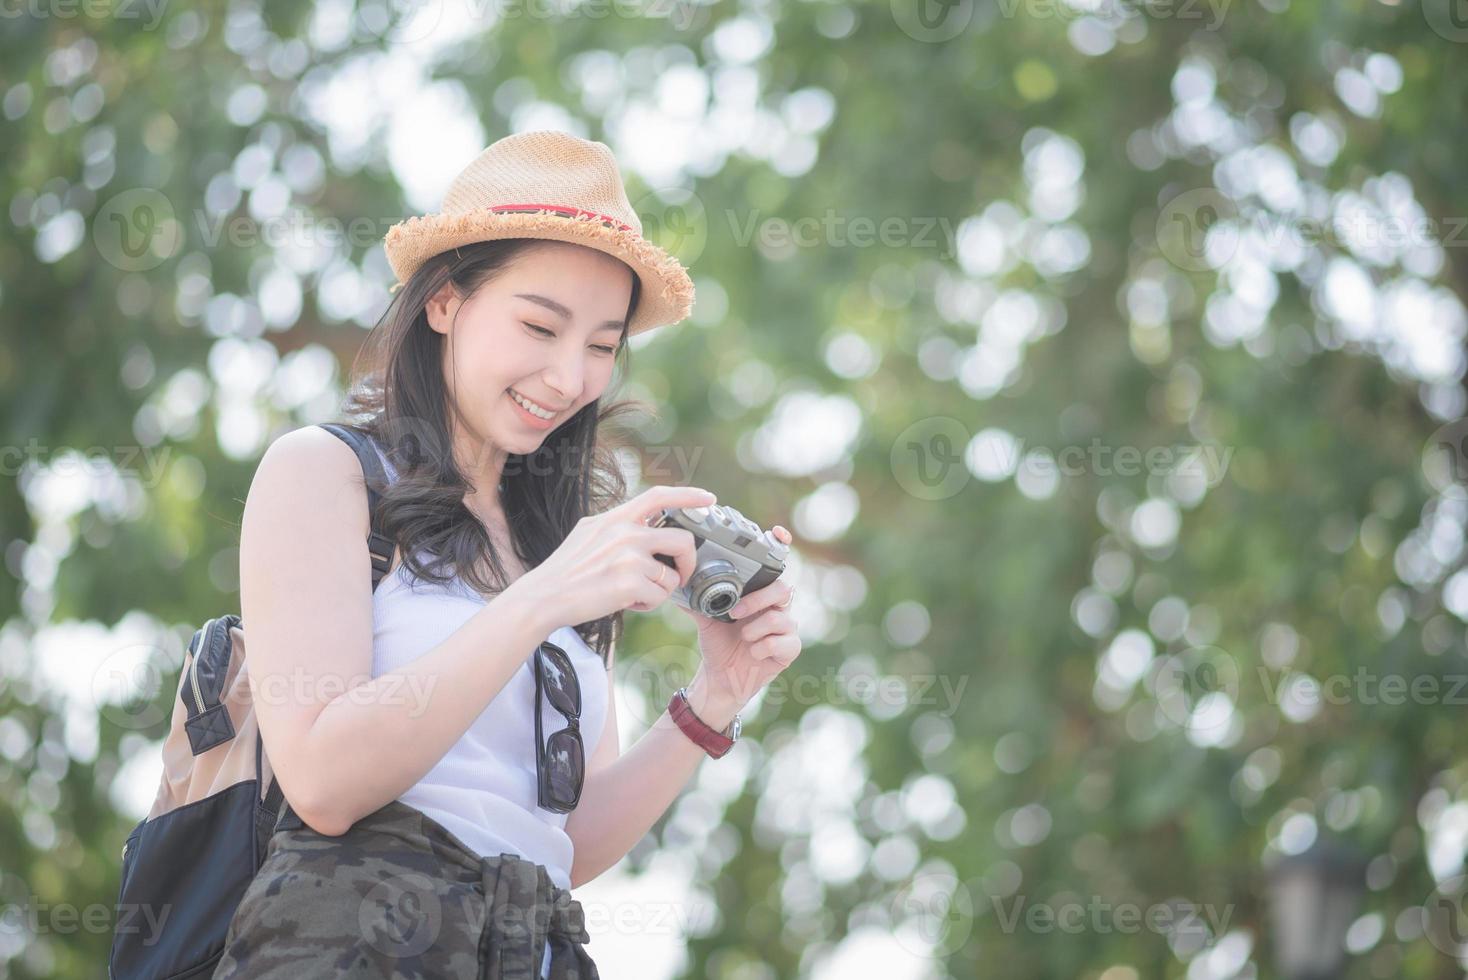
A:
[734,735]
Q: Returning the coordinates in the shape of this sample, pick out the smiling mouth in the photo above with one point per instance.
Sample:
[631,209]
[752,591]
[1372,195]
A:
[533,408]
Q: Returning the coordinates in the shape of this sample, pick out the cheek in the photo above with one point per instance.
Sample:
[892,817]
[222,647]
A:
[464,352]
[598,380]
[485,360]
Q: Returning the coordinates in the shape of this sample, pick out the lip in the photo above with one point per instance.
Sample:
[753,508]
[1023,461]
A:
[534,421]
[543,405]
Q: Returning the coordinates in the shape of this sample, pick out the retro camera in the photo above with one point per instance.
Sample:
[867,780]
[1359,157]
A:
[733,557]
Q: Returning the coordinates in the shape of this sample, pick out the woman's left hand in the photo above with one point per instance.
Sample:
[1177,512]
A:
[741,657]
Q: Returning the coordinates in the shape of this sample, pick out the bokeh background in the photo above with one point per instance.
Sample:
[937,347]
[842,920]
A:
[1105,357]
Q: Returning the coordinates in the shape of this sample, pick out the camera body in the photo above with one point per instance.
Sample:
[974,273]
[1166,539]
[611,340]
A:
[734,557]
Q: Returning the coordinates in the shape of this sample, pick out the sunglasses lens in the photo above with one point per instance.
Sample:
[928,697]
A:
[559,679]
[564,766]
[562,763]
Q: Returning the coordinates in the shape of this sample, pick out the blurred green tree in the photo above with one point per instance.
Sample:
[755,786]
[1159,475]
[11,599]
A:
[1106,355]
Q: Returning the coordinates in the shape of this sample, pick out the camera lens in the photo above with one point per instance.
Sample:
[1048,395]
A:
[718,598]
[714,587]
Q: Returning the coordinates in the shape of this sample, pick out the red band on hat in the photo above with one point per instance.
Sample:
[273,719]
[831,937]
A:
[561,209]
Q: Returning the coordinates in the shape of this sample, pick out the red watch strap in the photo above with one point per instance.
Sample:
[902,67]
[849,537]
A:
[713,742]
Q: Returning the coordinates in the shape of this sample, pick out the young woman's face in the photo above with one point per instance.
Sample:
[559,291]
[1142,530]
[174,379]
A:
[545,331]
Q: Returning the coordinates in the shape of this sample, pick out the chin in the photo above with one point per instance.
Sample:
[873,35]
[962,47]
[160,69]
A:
[528,442]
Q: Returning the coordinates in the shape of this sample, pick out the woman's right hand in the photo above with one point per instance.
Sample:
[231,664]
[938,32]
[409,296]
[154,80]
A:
[606,563]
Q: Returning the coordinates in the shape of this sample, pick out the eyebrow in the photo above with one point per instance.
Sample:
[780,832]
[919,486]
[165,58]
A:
[564,313]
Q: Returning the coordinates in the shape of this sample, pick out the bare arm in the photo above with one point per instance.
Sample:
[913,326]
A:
[342,743]
[370,744]
[625,795]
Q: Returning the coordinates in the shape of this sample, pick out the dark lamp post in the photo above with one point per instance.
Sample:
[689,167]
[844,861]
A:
[1314,897]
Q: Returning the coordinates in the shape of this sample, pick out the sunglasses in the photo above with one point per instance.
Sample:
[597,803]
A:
[560,763]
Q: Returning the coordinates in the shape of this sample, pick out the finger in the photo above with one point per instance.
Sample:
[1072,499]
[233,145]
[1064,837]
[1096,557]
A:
[657,498]
[648,595]
[768,622]
[777,593]
[661,576]
[674,543]
[782,648]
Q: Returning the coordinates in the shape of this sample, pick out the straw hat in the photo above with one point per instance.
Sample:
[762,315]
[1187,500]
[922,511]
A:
[555,186]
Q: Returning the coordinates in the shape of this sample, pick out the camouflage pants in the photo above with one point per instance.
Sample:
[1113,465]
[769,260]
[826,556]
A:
[398,895]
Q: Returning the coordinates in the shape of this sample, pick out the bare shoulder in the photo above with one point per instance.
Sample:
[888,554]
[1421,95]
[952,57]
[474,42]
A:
[305,515]
[313,471]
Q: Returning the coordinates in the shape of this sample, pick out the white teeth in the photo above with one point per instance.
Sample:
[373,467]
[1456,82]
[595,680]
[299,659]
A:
[533,409]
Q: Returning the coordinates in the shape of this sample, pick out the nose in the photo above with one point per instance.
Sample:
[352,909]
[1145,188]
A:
[566,375]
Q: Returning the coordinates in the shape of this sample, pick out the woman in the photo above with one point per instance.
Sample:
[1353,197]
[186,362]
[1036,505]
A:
[452,765]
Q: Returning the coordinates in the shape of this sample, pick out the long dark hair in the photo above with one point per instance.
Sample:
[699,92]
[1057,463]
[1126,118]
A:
[398,396]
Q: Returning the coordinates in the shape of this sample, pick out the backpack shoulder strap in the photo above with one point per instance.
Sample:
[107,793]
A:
[379,545]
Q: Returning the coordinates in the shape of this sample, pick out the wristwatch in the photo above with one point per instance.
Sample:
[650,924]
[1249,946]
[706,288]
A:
[713,742]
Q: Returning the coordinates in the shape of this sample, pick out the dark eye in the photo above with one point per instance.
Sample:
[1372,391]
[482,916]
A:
[606,350]
[543,330]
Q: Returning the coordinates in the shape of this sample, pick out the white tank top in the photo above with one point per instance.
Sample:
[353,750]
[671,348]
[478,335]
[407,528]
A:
[484,788]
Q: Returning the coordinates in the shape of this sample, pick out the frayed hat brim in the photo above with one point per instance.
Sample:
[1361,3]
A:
[667,289]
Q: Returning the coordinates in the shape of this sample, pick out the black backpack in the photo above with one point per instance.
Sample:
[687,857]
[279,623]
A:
[186,865]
